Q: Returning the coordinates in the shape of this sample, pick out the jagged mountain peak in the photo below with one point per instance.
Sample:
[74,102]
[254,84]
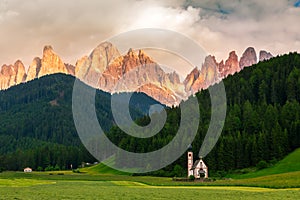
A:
[248,58]
[105,67]
[107,48]
[264,55]
[89,68]
[135,71]
[11,75]
[47,48]
[51,63]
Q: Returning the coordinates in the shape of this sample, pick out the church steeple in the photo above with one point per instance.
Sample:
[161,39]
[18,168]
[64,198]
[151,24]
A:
[190,161]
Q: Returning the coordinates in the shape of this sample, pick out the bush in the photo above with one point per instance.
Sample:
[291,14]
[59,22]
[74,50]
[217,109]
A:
[262,164]
[56,168]
[178,171]
[49,168]
[39,169]
[192,177]
[221,174]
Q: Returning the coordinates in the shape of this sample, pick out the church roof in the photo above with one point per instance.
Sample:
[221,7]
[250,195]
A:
[195,164]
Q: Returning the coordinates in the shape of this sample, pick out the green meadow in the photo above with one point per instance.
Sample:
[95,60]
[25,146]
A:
[29,189]
[281,181]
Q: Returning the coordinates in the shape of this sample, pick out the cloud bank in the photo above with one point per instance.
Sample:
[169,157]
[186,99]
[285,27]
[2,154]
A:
[74,28]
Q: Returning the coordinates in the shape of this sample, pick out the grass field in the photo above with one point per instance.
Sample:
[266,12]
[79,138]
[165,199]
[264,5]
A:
[282,181]
[41,185]
[28,189]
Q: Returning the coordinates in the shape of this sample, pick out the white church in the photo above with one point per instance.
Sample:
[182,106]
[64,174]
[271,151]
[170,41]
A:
[197,169]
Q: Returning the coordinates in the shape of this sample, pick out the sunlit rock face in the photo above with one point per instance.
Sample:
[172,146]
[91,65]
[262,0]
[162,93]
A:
[11,75]
[106,69]
[248,58]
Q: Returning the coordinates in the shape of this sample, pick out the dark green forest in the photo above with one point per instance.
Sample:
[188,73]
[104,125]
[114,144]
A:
[37,127]
[262,122]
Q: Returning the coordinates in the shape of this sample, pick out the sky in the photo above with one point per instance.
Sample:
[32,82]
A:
[75,28]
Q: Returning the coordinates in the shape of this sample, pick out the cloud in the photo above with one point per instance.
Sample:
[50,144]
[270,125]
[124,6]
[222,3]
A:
[74,28]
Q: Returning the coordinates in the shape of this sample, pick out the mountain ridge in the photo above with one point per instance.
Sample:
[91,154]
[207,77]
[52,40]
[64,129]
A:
[106,69]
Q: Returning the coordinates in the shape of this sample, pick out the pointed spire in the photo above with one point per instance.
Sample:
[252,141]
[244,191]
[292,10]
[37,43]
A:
[190,148]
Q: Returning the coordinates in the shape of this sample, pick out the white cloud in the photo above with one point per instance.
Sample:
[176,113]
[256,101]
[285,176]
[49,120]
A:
[74,28]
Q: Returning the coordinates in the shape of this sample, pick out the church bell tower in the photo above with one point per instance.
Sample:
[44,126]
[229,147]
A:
[190,161]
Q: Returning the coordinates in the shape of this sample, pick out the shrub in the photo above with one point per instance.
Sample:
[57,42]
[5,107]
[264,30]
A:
[192,177]
[221,174]
[49,168]
[56,168]
[178,171]
[262,164]
[39,169]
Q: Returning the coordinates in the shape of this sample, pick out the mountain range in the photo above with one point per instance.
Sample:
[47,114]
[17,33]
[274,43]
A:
[106,69]
[262,123]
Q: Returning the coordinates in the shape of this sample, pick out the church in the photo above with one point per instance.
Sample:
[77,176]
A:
[197,169]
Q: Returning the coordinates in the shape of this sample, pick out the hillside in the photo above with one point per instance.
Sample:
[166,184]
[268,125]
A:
[262,123]
[37,127]
[290,163]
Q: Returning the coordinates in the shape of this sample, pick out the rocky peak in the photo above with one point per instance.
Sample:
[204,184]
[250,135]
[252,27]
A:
[80,64]
[249,58]
[20,72]
[208,75]
[89,69]
[131,53]
[264,55]
[11,75]
[51,63]
[136,70]
[70,68]
[124,64]
[47,49]
[34,69]
[7,70]
[104,68]
[231,65]
[191,78]
[174,78]
[233,56]
[144,58]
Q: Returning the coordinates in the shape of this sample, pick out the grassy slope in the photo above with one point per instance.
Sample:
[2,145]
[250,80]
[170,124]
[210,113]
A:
[102,169]
[291,163]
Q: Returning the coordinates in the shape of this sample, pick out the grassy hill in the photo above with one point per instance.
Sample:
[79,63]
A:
[102,169]
[291,163]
